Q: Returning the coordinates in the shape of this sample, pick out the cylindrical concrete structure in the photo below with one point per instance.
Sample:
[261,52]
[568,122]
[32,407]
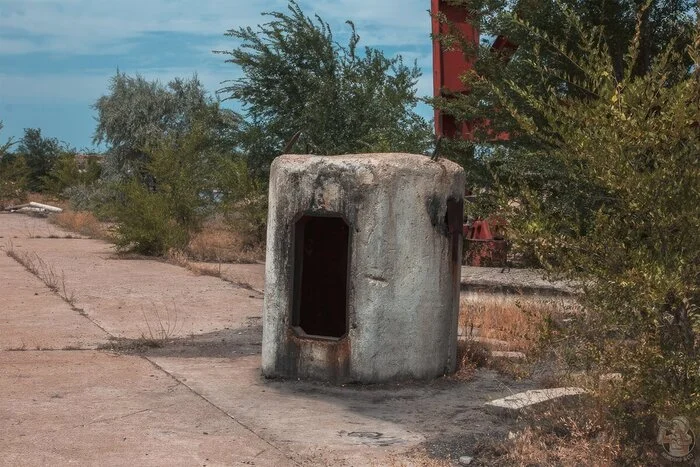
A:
[363,267]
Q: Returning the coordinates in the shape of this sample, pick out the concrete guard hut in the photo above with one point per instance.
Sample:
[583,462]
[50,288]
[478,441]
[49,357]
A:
[363,267]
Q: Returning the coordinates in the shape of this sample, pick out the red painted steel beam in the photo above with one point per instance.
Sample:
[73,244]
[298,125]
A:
[450,64]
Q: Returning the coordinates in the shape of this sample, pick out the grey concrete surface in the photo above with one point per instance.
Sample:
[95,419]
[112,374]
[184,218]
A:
[199,397]
[532,397]
[94,408]
[138,298]
[32,317]
[511,281]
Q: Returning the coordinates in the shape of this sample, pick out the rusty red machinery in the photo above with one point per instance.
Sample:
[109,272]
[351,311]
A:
[484,243]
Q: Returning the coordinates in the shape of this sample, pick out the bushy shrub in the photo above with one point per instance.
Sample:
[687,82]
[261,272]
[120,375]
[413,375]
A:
[145,221]
[68,172]
[243,201]
[95,197]
[631,144]
[184,187]
[14,175]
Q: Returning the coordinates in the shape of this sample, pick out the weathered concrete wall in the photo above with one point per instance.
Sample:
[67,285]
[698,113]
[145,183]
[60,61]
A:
[404,271]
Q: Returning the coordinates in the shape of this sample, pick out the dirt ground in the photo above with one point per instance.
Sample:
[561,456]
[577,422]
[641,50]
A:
[140,362]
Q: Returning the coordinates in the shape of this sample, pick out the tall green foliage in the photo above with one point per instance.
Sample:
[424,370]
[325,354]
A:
[186,168]
[40,155]
[296,77]
[5,147]
[630,146]
[69,172]
[13,173]
[138,113]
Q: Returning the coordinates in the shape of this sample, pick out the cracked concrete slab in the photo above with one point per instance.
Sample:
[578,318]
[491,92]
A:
[145,297]
[95,408]
[199,397]
[316,429]
[347,425]
[33,317]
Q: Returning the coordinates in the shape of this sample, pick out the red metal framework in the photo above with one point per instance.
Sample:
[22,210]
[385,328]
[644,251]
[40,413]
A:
[450,64]
[482,246]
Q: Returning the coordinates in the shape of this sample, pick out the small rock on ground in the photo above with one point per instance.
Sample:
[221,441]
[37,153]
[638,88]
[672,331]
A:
[535,396]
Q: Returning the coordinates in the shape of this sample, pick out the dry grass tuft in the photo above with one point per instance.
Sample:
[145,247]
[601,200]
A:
[562,436]
[519,322]
[179,258]
[217,242]
[470,356]
[162,325]
[35,264]
[173,256]
[82,222]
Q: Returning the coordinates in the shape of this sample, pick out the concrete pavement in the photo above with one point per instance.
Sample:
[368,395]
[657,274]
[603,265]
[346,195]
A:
[77,385]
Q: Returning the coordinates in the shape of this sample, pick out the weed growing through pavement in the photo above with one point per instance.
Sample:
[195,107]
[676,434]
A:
[35,264]
[180,258]
[20,348]
[162,326]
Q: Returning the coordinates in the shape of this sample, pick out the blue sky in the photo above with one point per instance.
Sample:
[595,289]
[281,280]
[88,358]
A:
[56,56]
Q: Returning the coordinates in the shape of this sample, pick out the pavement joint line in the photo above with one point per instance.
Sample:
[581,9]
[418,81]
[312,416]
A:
[84,314]
[52,350]
[219,409]
[80,311]
[120,417]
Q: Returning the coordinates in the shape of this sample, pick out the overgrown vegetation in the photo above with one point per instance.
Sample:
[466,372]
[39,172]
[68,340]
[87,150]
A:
[491,160]
[13,174]
[597,110]
[184,161]
[600,180]
[177,160]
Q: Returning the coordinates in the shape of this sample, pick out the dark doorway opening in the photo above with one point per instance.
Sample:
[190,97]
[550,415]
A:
[321,259]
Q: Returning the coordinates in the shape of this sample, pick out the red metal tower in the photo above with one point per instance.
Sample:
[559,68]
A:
[450,64]
[482,247]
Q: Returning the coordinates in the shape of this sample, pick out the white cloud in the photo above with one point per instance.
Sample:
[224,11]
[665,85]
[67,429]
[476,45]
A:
[87,87]
[96,26]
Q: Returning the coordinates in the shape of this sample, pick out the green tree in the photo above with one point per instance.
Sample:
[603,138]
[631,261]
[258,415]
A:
[69,171]
[5,147]
[296,77]
[186,169]
[13,173]
[137,113]
[40,155]
[631,146]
